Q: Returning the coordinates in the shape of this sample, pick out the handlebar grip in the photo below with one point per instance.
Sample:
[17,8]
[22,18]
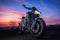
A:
[23,5]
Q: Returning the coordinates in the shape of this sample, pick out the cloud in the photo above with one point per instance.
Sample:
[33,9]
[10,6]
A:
[11,14]
[51,20]
[10,17]
[56,1]
[4,8]
[8,0]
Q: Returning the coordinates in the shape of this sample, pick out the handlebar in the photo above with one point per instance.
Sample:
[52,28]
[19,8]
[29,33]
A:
[23,5]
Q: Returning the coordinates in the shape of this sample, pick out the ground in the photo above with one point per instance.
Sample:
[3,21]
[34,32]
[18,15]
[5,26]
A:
[51,33]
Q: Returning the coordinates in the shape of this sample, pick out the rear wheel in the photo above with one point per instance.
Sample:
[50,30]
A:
[38,28]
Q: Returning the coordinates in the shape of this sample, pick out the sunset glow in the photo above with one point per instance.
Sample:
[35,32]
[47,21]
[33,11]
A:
[11,11]
[9,18]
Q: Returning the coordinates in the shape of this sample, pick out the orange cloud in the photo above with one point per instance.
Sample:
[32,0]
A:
[9,18]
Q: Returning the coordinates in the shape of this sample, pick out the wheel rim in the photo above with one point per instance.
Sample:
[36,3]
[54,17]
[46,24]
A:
[36,28]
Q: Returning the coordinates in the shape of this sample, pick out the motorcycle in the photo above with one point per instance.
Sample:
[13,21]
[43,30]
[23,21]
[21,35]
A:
[34,24]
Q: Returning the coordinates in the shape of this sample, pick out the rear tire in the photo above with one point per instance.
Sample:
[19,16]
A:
[41,28]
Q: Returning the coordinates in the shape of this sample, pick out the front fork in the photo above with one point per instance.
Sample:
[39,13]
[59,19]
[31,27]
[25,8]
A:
[33,22]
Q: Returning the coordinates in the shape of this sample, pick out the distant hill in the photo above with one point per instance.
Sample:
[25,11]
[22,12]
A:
[48,27]
[7,28]
[57,26]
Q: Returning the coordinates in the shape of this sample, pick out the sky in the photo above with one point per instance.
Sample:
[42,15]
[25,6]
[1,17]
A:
[11,11]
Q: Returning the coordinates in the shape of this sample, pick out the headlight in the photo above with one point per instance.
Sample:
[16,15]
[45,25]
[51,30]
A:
[36,12]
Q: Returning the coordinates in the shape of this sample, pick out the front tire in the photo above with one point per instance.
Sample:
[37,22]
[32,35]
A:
[38,28]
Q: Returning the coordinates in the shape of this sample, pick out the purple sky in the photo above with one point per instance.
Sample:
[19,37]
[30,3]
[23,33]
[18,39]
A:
[50,9]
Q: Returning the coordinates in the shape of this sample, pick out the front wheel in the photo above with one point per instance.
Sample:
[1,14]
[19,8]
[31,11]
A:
[38,28]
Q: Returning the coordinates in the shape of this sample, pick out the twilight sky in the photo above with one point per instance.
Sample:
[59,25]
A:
[12,10]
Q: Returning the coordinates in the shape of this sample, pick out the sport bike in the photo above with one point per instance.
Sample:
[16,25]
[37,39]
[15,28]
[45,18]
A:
[34,24]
